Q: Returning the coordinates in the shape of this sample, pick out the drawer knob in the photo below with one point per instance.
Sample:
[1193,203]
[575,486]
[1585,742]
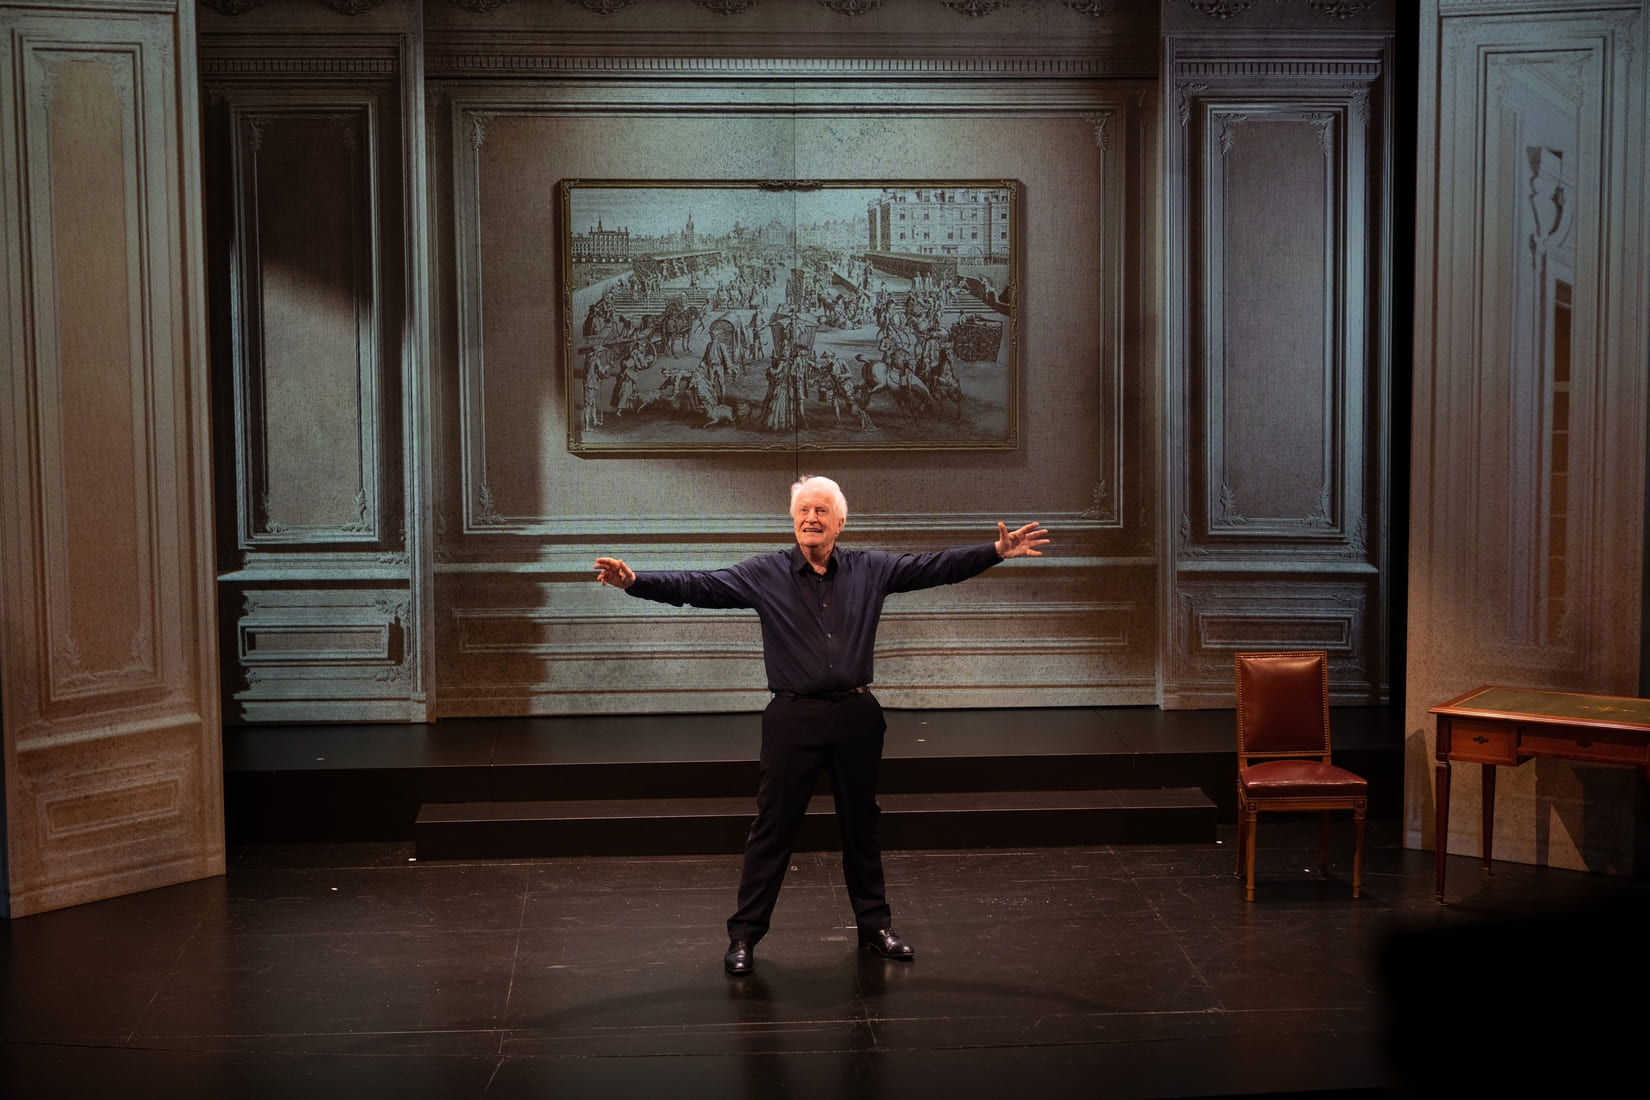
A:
[1480,739]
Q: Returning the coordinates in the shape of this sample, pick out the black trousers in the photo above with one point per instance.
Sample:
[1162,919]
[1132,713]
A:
[800,736]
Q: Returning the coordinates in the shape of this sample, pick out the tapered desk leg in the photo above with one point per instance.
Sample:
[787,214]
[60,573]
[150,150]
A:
[1440,830]
[1489,813]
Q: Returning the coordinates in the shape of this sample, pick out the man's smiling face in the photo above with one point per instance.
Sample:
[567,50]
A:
[817,522]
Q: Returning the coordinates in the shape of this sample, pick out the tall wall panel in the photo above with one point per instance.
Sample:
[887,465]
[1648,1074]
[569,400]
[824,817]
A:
[1276,363]
[314,191]
[1530,401]
[110,704]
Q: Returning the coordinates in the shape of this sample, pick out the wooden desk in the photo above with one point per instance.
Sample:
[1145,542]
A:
[1506,726]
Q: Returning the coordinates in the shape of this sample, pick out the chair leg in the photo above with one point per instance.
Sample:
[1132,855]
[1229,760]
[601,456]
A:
[1323,843]
[1243,809]
[1249,854]
[1357,851]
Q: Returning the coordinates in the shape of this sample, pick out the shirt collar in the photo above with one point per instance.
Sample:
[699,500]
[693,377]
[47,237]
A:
[800,563]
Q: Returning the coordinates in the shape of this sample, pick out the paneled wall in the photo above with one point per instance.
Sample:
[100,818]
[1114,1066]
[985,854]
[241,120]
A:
[1202,378]
[520,624]
[112,780]
[1530,400]
[1276,350]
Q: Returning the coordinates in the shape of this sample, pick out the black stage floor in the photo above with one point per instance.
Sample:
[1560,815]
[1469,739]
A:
[358,970]
[354,971]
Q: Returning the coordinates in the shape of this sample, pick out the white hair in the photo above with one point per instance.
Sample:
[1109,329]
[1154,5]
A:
[813,481]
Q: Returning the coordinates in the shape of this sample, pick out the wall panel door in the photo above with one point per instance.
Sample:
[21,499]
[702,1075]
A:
[110,707]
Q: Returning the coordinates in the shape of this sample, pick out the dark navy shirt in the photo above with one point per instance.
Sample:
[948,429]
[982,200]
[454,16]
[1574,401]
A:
[818,629]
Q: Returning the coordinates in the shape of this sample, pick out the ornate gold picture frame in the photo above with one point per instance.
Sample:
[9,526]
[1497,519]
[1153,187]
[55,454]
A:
[841,315]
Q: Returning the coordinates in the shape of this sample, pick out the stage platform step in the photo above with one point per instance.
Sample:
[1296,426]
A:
[285,784]
[702,826]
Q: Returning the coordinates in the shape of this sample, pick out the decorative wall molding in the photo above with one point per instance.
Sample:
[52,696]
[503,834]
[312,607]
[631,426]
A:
[445,60]
[91,809]
[341,7]
[307,650]
[1338,69]
[285,484]
[1214,618]
[222,67]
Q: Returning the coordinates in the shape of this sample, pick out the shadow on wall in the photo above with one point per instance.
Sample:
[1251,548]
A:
[1418,778]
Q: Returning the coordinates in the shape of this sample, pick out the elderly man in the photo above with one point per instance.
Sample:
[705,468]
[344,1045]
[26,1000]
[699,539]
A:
[819,606]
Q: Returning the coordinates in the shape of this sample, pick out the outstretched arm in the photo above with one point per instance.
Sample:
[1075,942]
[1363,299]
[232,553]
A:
[615,572]
[1019,543]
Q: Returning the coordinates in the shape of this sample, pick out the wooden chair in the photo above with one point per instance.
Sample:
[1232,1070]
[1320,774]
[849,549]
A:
[1283,754]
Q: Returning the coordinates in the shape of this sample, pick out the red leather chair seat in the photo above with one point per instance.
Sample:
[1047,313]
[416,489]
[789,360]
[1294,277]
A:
[1300,779]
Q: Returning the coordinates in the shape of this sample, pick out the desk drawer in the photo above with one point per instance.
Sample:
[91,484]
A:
[1481,742]
[1604,746]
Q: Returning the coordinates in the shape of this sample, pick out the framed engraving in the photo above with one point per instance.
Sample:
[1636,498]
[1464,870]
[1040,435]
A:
[780,315]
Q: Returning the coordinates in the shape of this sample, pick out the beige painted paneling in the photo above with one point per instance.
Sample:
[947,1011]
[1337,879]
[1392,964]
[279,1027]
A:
[110,709]
[1529,426]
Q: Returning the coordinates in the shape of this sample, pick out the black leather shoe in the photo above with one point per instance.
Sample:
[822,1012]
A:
[740,959]
[886,942]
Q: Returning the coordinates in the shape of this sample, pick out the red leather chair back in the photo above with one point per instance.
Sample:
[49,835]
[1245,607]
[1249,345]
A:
[1283,704]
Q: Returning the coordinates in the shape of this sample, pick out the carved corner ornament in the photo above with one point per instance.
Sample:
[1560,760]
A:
[1341,9]
[1229,126]
[851,7]
[726,7]
[1102,140]
[1221,9]
[1098,502]
[488,513]
[352,7]
[1186,544]
[974,8]
[1187,92]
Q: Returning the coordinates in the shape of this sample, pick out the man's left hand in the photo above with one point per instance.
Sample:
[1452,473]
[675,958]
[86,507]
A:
[1022,542]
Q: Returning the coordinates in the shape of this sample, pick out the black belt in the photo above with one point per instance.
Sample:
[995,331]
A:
[824,696]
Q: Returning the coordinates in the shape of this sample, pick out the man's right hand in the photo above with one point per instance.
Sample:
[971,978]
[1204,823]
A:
[615,572]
